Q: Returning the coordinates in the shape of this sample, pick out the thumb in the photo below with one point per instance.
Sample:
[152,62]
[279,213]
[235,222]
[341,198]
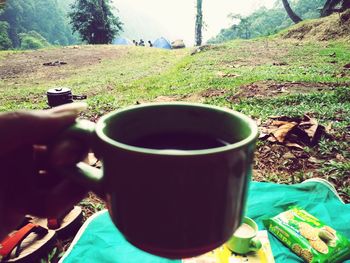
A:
[34,127]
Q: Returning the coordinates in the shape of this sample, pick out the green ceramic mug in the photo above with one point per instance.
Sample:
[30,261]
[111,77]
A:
[244,239]
[174,175]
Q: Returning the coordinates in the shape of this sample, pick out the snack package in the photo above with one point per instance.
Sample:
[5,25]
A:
[308,237]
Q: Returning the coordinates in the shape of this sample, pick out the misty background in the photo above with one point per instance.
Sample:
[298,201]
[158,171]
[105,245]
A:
[176,19]
[34,24]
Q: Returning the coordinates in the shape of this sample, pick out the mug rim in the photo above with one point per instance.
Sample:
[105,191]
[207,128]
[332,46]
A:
[101,124]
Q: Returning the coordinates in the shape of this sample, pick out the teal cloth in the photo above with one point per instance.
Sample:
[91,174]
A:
[102,242]
[267,200]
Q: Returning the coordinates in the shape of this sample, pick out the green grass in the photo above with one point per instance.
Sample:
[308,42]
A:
[331,107]
[111,80]
[322,105]
[5,53]
[328,148]
[336,170]
[143,74]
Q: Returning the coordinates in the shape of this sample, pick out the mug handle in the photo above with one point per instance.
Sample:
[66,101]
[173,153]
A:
[255,244]
[82,131]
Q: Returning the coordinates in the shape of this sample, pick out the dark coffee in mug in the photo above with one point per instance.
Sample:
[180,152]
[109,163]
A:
[175,175]
[178,141]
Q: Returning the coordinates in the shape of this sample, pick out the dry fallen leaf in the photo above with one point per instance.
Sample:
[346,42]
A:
[288,155]
[295,145]
[220,74]
[314,160]
[258,122]
[328,128]
[285,118]
[340,157]
[279,123]
[310,127]
[272,139]
[293,130]
[341,75]
[281,133]
[263,136]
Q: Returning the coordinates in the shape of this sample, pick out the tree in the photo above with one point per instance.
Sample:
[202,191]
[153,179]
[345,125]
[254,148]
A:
[307,9]
[243,29]
[199,23]
[331,7]
[2,5]
[94,21]
[5,41]
[32,40]
[46,17]
[263,21]
[295,18]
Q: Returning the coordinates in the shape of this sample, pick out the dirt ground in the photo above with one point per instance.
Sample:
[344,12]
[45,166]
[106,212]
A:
[50,63]
[336,26]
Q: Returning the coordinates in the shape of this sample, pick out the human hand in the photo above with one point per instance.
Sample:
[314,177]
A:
[25,185]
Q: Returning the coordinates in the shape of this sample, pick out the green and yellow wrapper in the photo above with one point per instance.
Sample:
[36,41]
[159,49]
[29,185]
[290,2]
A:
[308,237]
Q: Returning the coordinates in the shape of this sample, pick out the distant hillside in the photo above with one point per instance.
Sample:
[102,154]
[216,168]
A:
[267,21]
[336,26]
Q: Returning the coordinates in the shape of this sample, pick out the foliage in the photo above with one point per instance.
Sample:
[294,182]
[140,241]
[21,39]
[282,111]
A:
[264,22]
[5,41]
[2,5]
[329,7]
[47,17]
[336,170]
[308,9]
[295,18]
[94,21]
[32,40]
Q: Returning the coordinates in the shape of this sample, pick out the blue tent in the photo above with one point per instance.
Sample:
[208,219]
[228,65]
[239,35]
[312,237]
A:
[122,41]
[162,43]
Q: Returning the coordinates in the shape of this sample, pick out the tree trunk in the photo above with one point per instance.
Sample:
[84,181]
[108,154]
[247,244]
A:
[329,7]
[296,19]
[199,23]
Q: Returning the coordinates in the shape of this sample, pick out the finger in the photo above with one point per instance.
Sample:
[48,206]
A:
[40,157]
[77,107]
[55,201]
[31,127]
[67,152]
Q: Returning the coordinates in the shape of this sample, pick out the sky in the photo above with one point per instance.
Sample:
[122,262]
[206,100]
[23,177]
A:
[149,19]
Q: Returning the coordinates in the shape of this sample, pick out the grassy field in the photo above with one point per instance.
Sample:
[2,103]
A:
[261,78]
